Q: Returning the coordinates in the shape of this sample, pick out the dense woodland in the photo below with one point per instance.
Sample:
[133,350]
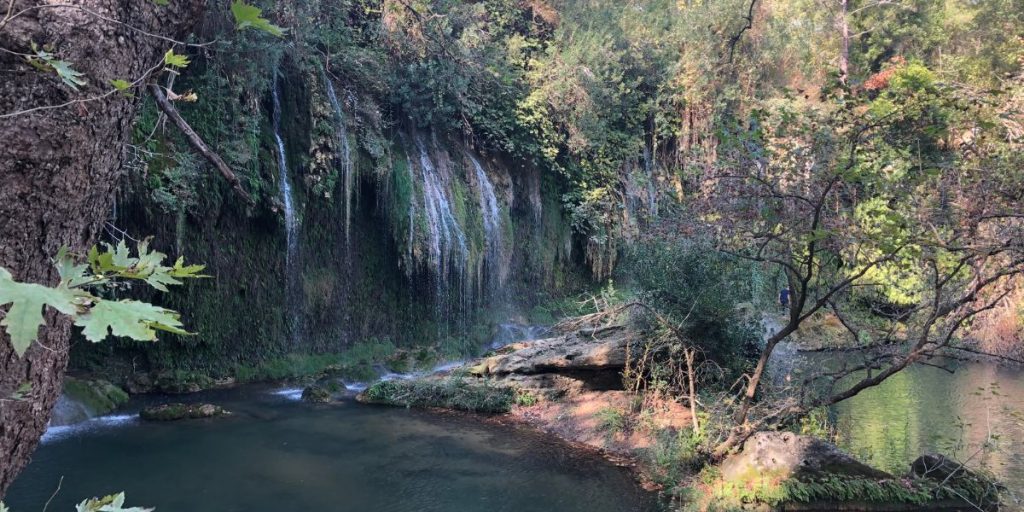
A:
[291,190]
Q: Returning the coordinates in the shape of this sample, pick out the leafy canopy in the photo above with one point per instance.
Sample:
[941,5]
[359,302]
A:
[78,294]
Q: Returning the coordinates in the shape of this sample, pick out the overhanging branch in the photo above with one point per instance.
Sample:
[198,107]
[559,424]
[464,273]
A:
[197,142]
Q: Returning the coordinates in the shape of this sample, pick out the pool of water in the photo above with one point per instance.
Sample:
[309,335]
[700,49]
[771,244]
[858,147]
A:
[973,414]
[925,409]
[276,454]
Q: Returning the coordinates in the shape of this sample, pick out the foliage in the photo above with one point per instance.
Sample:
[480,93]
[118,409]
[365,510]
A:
[611,420]
[44,60]
[112,503]
[699,290]
[450,393]
[78,295]
[774,490]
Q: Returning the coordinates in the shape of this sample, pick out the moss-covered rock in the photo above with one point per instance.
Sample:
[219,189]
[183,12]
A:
[447,393]
[97,396]
[180,411]
[317,394]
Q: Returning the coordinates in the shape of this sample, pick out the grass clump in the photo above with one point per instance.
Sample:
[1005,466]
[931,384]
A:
[450,393]
[611,420]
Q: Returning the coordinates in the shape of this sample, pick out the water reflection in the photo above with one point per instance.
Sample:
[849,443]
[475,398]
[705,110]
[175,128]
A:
[927,409]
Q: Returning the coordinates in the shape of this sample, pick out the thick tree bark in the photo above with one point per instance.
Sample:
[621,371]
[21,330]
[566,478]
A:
[59,167]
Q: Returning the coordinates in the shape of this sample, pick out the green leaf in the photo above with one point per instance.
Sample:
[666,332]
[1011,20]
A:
[129,318]
[122,258]
[27,300]
[46,61]
[122,85]
[180,269]
[248,16]
[162,3]
[71,275]
[3,508]
[112,503]
[175,60]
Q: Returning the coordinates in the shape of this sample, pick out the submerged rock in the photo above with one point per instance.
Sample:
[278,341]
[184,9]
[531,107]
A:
[180,411]
[317,395]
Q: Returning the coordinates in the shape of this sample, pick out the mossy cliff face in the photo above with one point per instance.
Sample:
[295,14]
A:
[413,244]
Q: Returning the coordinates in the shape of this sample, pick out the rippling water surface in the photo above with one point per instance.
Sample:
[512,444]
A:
[276,454]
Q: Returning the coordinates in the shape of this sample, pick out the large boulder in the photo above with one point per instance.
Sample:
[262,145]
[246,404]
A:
[573,352]
[787,455]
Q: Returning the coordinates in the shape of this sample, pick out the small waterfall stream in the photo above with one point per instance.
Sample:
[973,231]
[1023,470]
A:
[490,210]
[290,221]
[347,174]
[447,247]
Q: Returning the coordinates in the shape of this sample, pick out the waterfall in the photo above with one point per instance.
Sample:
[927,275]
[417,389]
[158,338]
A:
[347,174]
[290,222]
[491,213]
[447,240]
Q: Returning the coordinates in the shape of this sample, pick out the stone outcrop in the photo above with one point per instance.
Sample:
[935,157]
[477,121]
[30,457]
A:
[577,358]
[788,455]
[569,352]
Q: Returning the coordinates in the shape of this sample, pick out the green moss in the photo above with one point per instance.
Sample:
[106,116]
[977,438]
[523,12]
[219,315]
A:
[99,396]
[291,366]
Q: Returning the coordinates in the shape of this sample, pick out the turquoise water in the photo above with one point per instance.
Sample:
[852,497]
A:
[276,454]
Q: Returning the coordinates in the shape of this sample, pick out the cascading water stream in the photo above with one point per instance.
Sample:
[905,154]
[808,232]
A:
[347,175]
[490,210]
[290,222]
[447,241]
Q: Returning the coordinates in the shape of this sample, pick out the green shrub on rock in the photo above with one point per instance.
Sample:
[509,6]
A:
[449,393]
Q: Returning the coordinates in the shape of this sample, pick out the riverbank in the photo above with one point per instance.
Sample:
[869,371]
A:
[570,386]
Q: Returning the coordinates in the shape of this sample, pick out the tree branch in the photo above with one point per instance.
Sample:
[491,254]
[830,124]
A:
[197,143]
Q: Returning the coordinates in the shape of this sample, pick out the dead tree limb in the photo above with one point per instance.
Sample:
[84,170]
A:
[197,142]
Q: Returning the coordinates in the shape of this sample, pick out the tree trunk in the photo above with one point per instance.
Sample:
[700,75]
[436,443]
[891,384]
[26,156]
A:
[59,168]
[844,45]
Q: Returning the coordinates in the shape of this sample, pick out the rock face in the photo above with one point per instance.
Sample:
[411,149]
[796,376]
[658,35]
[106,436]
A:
[787,455]
[179,411]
